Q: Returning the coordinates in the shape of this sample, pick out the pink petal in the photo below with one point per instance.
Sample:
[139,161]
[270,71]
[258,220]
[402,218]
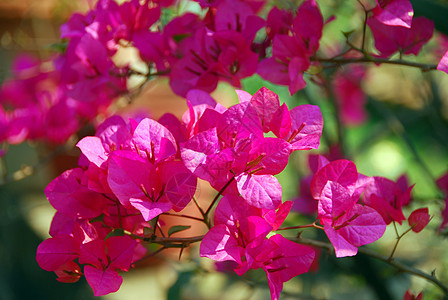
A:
[239,121]
[194,152]
[395,13]
[93,253]
[61,224]
[92,148]
[152,137]
[281,122]
[366,226]
[418,219]
[120,252]
[218,244]
[280,215]
[69,197]
[180,184]
[341,246]
[275,155]
[243,96]
[197,97]
[68,272]
[149,209]
[265,103]
[101,281]
[308,24]
[297,66]
[262,191]
[306,127]
[127,173]
[341,171]
[334,200]
[443,63]
[54,252]
[272,70]
[114,131]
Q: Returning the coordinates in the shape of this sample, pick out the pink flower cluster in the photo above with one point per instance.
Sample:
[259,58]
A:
[37,104]
[128,175]
[51,100]
[132,172]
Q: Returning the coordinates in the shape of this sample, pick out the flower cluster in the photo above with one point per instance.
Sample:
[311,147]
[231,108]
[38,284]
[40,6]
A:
[194,51]
[134,171]
[128,175]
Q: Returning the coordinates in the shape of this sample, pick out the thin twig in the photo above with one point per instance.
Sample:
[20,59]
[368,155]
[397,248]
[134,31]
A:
[343,61]
[366,251]
[183,216]
[217,196]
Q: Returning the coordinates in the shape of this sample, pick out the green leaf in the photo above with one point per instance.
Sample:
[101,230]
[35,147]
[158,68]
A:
[116,232]
[177,228]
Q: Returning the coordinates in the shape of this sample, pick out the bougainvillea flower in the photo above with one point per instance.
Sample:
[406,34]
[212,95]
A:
[234,229]
[239,235]
[237,148]
[282,260]
[361,225]
[387,198]
[391,39]
[103,259]
[291,53]
[212,56]
[278,21]
[239,17]
[394,12]
[56,251]
[410,296]
[418,219]
[348,225]
[67,195]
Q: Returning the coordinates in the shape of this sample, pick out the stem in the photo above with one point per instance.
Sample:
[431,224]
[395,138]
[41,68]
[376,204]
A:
[204,217]
[160,229]
[364,29]
[183,216]
[171,240]
[398,239]
[302,226]
[217,196]
[366,251]
[396,243]
[343,61]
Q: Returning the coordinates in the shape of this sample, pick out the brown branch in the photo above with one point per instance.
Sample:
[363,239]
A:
[172,241]
[343,61]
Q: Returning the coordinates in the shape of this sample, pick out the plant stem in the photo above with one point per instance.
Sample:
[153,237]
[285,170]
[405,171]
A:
[366,251]
[217,196]
[183,216]
[343,61]
[302,226]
